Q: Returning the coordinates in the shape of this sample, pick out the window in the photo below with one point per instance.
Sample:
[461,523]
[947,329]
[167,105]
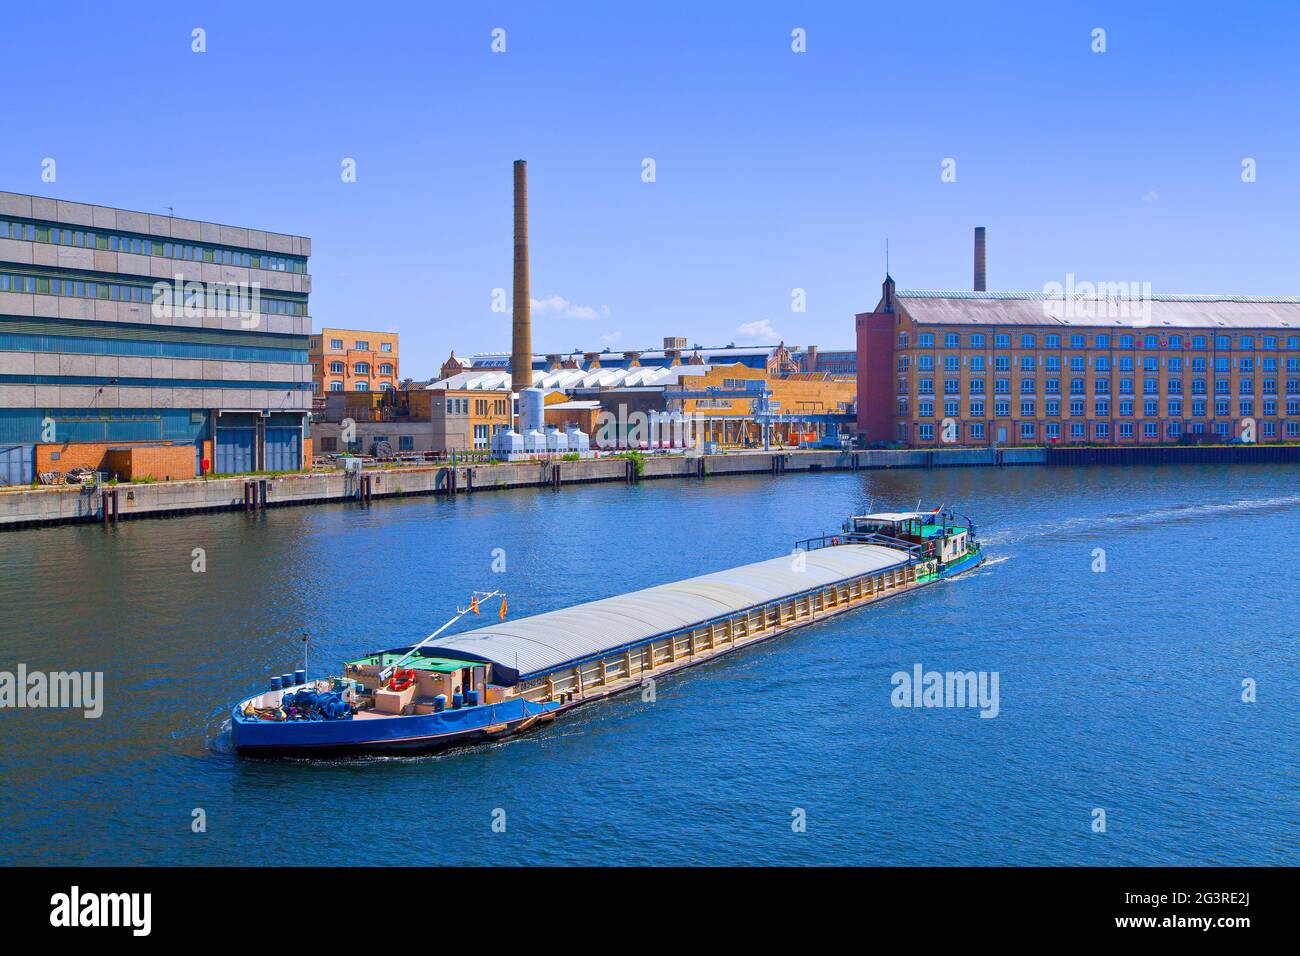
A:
[977,340]
[925,363]
[1076,341]
[1174,429]
[336,368]
[977,363]
[977,430]
[977,386]
[1027,340]
[363,386]
[925,431]
[976,409]
[1052,430]
[361,346]
[1125,429]
[336,386]
[336,343]
[951,340]
[1126,341]
[902,340]
[952,363]
[1103,341]
[1002,341]
[362,368]
[1149,430]
[925,340]
[1027,429]
[386,368]
[1002,409]
[1052,341]
[1027,408]
[406,443]
[1076,429]
[1002,363]
[385,346]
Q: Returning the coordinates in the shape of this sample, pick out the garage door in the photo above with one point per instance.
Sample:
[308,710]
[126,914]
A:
[15,464]
[283,449]
[235,450]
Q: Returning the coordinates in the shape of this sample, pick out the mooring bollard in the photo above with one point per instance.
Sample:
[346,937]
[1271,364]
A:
[103,506]
[115,509]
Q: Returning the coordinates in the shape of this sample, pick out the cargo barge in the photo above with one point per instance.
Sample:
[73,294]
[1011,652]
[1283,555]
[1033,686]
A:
[504,679]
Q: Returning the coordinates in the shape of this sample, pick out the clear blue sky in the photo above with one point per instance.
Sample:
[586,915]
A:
[775,170]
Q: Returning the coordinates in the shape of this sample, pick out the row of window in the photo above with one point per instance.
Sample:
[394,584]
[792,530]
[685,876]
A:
[361,368]
[145,246]
[197,295]
[360,345]
[151,382]
[1079,430]
[358,386]
[1101,340]
[1101,386]
[85,345]
[1101,409]
[1102,363]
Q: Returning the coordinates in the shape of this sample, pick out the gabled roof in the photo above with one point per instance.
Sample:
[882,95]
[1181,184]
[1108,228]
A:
[1154,312]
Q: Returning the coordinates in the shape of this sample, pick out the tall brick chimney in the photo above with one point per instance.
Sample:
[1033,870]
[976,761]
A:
[981,282]
[521,342]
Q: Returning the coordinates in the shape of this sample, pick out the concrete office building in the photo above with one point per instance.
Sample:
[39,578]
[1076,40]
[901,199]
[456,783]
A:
[122,328]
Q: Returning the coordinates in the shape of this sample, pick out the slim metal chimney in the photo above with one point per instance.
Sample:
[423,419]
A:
[980,278]
[521,342]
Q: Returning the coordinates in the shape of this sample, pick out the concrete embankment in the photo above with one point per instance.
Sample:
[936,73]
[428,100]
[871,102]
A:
[20,507]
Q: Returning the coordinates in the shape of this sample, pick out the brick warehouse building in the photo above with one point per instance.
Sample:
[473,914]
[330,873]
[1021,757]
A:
[1034,369]
[96,360]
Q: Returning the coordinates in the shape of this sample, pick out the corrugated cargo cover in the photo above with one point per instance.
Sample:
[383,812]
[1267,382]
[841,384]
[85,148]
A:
[539,644]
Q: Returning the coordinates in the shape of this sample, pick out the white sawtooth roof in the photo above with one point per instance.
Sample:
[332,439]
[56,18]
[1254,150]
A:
[541,643]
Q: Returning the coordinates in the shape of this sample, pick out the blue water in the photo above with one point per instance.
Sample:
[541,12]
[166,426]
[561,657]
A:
[1118,691]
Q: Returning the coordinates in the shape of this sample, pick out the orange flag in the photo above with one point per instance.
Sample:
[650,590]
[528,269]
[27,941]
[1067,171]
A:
[503,607]
[473,605]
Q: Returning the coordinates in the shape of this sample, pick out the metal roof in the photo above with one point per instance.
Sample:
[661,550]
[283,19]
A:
[539,644]
[1153,312]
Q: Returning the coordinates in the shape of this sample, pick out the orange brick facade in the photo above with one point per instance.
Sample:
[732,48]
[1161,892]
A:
[353,360]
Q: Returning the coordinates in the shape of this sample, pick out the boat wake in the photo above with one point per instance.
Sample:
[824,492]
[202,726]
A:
[1090,524]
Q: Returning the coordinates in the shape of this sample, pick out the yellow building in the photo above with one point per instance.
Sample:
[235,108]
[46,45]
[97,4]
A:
[729,419]
[352,360]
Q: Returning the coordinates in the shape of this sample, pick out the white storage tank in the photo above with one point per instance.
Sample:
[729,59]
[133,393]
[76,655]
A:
[532,405]
[507,445]
[557,442]
[534,442]
[579,441]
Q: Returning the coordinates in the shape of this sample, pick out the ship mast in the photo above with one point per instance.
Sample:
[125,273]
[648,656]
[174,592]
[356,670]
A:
[478,596]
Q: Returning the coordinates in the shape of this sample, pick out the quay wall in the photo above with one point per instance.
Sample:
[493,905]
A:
[24,507]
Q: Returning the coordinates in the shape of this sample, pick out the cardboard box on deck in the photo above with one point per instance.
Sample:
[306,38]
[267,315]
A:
[433,683]
[393,701]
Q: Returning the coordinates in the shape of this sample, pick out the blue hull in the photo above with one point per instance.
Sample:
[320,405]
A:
[416,733]
[968,563]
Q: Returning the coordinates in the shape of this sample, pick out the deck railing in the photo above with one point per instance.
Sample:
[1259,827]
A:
[861,537]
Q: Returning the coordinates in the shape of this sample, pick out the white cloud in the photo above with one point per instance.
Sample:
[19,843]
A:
[560,306]
[1151,196]
[760,332]
[611,338]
